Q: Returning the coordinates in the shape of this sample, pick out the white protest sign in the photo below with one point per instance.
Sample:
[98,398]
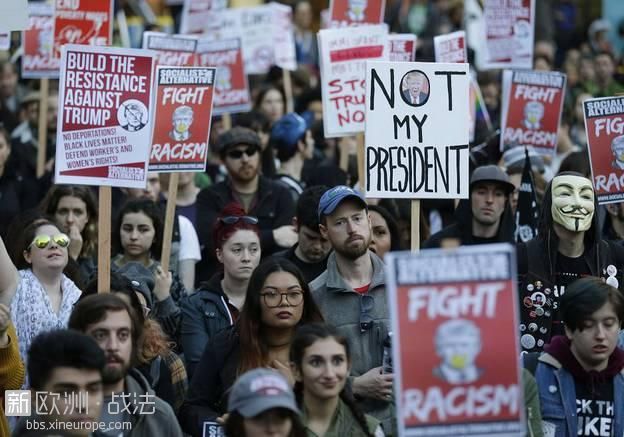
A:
[13,15]
[266,32]
[105,116]
[451,47]
[417,128]
[195,15]
[343,56]
[5,41]
[402,47]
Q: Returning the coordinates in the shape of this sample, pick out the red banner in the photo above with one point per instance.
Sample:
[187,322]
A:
[231,93]
[183,113]
[83,22]
[604,124]
[532,105]
[356,12]
[462,376]
[37,61]
[172,50]
[402,47]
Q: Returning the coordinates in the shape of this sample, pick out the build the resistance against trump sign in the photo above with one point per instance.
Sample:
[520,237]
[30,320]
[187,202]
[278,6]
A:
[417,128]
[105,116]
[462,377]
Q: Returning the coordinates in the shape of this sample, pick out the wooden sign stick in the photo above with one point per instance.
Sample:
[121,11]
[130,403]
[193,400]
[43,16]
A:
[104,240]
[415,237]
[42,136]
[290,105]
[169,218]
[360,161]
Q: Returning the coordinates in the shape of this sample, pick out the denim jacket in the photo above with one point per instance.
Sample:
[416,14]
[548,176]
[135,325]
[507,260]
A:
[557,395]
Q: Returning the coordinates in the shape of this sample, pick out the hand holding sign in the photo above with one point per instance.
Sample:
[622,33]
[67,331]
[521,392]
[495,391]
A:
[374,384]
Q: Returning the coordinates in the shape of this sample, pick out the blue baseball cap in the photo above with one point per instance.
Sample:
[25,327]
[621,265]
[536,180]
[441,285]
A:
[287,131]
[332,198]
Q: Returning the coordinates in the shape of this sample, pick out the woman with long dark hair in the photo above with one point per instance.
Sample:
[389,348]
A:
[321,361]
[217,303]
[278,301]
[75,209]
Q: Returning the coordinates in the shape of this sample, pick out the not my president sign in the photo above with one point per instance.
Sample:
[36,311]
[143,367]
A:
[417,129]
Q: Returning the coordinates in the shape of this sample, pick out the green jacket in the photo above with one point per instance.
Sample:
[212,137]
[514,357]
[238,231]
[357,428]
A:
[343,423]
[532,405]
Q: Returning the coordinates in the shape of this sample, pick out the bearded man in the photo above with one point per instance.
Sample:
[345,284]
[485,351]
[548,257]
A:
[568,247]
[351,295]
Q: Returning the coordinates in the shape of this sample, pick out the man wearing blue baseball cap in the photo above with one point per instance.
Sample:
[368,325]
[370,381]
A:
[351,295]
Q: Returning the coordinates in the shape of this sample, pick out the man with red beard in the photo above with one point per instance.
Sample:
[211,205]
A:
[130,406]
[270,201]
[351,295]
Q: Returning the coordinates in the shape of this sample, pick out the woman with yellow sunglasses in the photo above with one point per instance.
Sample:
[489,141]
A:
[40,296]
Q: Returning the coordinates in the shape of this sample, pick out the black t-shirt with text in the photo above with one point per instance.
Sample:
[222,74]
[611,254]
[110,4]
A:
[594,408]
[567,270]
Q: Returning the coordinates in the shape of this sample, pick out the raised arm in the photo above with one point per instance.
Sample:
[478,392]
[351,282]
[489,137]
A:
[8,276]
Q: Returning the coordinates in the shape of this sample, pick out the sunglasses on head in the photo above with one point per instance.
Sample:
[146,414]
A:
[233,219]
[238,154]
[42,241]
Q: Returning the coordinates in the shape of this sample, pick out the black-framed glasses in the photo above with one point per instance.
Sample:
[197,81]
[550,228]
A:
[233,219]
[238,154]
[367,303]
[42,241]
[273,299]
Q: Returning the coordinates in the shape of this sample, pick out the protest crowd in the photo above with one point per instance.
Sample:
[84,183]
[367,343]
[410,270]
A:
[310,218]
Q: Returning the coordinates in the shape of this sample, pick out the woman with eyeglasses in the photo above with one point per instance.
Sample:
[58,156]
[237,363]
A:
[217,303]
[278,301]
[321,361]
[137,238]
[40,296]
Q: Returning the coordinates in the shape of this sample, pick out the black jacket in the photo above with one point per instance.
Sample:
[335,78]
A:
[273,206]
[462,228]
[204,313]
[210,386]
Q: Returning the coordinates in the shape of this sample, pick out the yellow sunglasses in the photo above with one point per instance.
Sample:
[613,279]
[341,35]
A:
[42,241]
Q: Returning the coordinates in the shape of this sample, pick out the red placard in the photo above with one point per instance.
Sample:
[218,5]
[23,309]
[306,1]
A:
[604,124]
[451,47]
[105,116]
[183,113]
[172,50]
[231,93]
[356,12]
[532,105]
[82,22]
[455,344]
[37,61]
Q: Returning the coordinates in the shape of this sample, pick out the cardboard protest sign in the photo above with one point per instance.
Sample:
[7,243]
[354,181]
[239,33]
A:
[195,16]
[266,32]
[410,150]
[38,60]
[462,376]
[451,47]
[13,15]
[356,12]
[509,32]
[231,92]
[174,50]
[401,47]
[343,55]
[604,124]
[5,41]
[182,119]
[105,116]
[532,105]
[83,22]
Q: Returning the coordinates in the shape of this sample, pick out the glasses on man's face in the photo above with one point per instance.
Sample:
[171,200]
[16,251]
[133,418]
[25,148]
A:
[367,303]
[238,154]
[233,219]
[273,299]
[42,241]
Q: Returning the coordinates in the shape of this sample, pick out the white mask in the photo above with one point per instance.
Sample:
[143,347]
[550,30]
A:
[572,202]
